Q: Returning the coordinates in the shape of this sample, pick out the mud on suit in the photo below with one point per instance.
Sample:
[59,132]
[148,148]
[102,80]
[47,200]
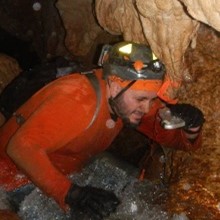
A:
[55,139]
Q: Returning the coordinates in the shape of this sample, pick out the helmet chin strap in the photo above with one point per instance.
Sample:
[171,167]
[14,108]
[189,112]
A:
[112,101]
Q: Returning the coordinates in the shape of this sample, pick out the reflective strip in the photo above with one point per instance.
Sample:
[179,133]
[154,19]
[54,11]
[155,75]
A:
[19,118]
[95,84]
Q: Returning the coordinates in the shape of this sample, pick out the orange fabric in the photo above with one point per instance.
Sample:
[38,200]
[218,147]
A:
[54,140]
[150,126]
[10,175]
[167,89]
[148,85]
[138,65]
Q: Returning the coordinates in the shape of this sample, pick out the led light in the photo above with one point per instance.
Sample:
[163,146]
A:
[37,6]
[126,49]
[154,56]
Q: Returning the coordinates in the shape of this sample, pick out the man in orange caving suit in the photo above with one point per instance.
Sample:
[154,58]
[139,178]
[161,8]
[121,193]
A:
[77,116]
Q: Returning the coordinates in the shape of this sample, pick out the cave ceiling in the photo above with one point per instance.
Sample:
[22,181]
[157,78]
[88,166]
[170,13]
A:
[75,28]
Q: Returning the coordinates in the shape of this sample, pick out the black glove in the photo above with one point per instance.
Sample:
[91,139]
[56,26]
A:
[90,202]
[192,116]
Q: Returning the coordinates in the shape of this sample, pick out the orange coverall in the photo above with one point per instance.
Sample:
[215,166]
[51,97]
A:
[55,139]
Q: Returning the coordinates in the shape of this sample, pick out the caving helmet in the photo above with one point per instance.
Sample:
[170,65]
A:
[133,66]
[131,61]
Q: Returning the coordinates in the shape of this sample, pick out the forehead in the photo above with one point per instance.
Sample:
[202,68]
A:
[142,93]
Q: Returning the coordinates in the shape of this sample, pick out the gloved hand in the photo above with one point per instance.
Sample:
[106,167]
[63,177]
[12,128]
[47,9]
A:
[93,203]
[192,116]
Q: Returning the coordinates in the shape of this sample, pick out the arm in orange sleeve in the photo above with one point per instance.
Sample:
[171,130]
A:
[176,139]
[50,127]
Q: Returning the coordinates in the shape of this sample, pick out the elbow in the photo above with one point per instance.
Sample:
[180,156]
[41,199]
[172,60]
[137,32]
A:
[14,149]
[10,149]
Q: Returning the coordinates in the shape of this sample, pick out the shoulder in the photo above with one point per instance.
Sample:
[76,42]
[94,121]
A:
[77,81]
[70,85]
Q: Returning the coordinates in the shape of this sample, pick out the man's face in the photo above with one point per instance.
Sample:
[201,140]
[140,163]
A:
[133,104]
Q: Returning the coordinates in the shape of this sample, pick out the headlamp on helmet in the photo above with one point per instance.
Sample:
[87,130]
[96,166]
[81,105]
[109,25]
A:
[130,61]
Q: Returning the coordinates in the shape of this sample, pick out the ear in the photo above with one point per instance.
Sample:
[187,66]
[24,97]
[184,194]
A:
[114,88]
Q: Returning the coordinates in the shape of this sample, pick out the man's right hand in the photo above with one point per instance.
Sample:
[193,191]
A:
[95,203]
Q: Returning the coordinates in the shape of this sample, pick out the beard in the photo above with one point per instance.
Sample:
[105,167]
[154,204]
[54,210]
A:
[120,109]
[128,124]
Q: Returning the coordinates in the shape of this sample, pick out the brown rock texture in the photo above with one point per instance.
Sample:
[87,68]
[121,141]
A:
[120,17]
[207,12]
[197,192]
[83,33]
[169,31]
[79,35]
[163,24]
[9,69]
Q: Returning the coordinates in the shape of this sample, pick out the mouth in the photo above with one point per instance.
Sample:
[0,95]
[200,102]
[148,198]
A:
[137,115]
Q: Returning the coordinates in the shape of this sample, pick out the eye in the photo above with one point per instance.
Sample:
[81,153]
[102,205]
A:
[153,99]
[141,99]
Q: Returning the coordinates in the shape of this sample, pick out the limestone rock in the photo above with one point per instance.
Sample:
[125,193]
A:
[80,24]
[163,24]
[207,12]
[9,69]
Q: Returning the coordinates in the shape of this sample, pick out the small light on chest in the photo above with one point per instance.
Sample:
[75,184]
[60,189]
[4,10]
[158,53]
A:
[110,123]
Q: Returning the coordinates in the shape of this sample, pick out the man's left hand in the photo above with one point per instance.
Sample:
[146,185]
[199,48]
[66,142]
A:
[192,116]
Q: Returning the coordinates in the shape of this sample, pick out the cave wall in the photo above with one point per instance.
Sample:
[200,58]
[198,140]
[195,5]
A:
[37,22]
[75,28]
[200,170]
[163,25]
